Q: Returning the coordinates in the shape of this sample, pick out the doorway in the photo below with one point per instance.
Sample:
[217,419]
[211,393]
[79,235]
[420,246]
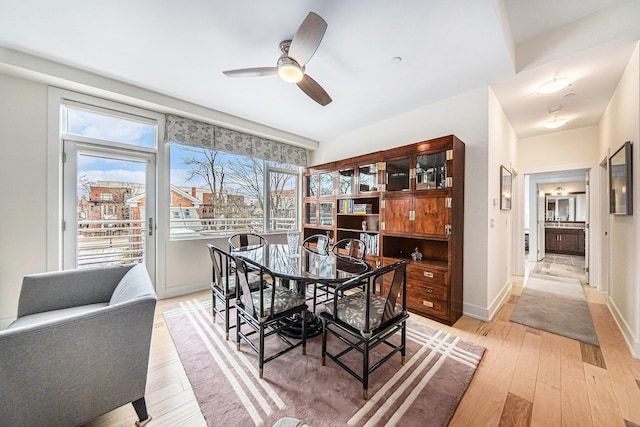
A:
[557,223]
[108,220]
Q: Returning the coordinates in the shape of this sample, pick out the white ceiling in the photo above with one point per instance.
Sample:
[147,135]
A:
[180,48]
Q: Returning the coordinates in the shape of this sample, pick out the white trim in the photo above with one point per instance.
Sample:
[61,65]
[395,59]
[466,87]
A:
[627,332]
[54,192]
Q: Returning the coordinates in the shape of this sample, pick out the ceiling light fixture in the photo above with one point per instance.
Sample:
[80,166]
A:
[555,123]
[555,85]
[559,191]
[289,70]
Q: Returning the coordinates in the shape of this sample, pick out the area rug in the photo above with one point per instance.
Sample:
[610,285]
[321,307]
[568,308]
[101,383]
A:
[424,392]
[556,305]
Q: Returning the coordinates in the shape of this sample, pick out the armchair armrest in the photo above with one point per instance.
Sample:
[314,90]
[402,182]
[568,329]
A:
[69,288]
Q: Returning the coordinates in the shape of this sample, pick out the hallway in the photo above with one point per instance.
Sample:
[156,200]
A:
[558,265]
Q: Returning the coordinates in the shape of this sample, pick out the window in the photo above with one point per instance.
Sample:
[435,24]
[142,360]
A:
[107,125]
[283,196]
[105,197]
[217,193]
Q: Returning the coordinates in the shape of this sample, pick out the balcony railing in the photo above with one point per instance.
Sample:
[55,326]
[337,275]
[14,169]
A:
[209,227]
[110,242]
[123,241]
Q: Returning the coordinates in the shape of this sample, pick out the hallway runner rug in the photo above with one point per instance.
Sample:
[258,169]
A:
[557,305]
[424,392]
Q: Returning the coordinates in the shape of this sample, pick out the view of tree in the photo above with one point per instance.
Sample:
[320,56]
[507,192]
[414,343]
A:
[234,175]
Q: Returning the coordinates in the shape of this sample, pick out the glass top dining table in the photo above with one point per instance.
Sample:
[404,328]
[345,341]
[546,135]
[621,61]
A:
[307,265]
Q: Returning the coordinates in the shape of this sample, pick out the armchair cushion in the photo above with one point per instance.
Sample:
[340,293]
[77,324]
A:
[351,310]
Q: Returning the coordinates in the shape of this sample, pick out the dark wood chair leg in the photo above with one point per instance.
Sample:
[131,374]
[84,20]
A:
[365,371]
[261,350]
[141,410]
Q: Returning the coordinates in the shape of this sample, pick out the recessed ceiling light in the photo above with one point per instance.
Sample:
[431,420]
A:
[555,123]
[396,60]
[555,85]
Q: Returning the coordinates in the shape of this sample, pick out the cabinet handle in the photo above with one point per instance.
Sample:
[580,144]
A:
[429,289]
[428,274]
[427,303]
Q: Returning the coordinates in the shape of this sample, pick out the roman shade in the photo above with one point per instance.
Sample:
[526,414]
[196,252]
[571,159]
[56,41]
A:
[186,131]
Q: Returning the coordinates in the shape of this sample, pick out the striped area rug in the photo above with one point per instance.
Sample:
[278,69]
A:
[423,392]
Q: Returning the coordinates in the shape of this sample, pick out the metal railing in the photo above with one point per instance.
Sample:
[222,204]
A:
[110,242]
[123,241]
[185,228]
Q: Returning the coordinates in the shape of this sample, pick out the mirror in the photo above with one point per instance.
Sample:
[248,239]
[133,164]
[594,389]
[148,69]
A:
[570,207]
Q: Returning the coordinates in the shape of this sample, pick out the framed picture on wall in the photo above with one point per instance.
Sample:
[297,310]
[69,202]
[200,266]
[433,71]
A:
[505,188]
[621,181]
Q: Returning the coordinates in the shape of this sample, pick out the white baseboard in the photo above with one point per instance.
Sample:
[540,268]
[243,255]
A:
[632,342]
[487,313]
[176,291]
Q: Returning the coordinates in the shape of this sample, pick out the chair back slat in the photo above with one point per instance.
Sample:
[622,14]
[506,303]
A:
[241,273]
[397,286]
[220,265]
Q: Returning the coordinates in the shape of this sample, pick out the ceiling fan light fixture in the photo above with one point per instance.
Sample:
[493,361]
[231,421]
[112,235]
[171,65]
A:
[555,85]
[555,123]
[289,70]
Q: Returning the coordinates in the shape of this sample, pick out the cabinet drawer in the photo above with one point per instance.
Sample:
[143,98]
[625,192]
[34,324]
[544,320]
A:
[425,275]
[422,290]
[428,307]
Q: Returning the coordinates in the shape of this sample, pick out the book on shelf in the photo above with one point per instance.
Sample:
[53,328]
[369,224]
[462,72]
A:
[371,240]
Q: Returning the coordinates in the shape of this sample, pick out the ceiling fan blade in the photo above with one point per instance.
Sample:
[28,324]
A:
[252,72]
[314,90]
[307,39]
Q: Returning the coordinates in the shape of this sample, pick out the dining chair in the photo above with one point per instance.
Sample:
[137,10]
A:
[269,310]
[316,243]
[352,247]
[241,240]
[223,284]
[362,320]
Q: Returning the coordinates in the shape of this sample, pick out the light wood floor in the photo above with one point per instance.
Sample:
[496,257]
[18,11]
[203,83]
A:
[526,378]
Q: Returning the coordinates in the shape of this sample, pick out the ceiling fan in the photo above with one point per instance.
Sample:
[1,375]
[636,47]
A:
[295,54]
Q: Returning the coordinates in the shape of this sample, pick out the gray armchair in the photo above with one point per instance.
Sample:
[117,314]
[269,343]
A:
[79,347]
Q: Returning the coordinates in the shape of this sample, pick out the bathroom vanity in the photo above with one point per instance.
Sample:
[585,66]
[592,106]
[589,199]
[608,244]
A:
[565,238]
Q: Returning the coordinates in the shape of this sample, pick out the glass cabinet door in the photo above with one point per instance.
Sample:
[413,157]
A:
[311,213]
[346,184]
[398,174]
[368,177]
[326,213]
[312,186]
[431,171]
[326,184]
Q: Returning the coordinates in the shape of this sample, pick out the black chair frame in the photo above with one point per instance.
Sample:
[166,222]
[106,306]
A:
[223,285]
[263,322]
[363,341]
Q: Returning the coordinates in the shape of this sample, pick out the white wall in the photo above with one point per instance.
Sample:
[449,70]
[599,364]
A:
[23,136]
[503,146]
[465,116]
[620,123]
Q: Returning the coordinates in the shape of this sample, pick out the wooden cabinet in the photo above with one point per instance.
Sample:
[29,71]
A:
[413,198]
[569,241]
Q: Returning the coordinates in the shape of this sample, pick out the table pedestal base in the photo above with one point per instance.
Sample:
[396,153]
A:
[314,327]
